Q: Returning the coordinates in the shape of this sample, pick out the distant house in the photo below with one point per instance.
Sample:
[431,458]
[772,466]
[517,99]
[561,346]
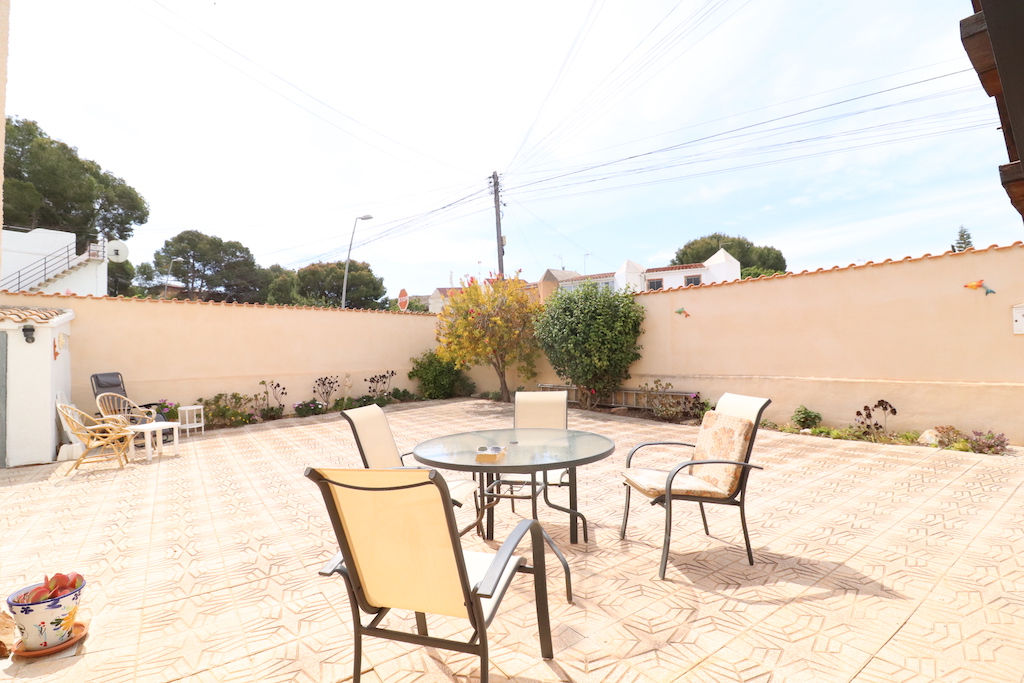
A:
[437,300]
[721,267]
[551,280]
[46,261]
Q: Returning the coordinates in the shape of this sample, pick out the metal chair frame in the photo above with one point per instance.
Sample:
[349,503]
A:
[376,462]
[491,586]
[737,499]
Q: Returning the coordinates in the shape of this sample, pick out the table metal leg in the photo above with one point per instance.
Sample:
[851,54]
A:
[571,510]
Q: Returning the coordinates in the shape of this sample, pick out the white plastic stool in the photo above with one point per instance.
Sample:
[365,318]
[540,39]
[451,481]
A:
[191,417]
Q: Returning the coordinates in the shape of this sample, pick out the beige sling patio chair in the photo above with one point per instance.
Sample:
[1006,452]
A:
[400,549]
[104,438]
[540,410]
[716,474]
[378,450]
[112,403]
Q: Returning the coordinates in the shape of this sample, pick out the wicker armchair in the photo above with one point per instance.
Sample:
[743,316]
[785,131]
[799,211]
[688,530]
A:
[112,403]
[104,438]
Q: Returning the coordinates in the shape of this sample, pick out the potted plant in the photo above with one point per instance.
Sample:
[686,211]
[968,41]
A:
[45,612]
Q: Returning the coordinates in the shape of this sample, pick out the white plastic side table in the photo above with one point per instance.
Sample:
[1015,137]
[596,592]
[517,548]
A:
[155,429]
[192,417]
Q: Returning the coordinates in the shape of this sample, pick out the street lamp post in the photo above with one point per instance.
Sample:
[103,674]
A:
[167,275]
[348,259]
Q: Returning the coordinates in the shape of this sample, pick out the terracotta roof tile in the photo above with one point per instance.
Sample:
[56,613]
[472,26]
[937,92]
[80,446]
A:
[685,266]
[26,314]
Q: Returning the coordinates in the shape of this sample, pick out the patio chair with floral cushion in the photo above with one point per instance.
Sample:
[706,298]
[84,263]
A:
[378,450]
[103,438]
[400,549]
[716,474]
[112,403]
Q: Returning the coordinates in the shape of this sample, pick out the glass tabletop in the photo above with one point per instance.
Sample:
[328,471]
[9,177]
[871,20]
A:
[525,450]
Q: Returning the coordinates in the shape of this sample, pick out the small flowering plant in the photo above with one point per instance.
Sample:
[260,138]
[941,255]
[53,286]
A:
[169,409]
[309,407]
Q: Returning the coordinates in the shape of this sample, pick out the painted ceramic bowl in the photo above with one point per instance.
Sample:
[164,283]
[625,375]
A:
[48,623]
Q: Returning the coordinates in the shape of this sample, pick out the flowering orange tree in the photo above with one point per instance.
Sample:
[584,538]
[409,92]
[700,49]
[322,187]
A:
[490,323]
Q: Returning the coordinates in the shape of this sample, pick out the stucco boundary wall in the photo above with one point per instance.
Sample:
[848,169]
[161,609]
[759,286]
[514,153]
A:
[836,340]
[184,350]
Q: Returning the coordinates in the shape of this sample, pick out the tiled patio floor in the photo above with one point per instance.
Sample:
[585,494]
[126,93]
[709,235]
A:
[873,564]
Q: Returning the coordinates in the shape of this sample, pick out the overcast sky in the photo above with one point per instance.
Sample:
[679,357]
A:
[837,132]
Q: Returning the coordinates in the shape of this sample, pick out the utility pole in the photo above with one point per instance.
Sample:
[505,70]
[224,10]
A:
[497,222]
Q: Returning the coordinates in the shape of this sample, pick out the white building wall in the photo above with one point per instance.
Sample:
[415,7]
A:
[722,267]
[25,248]
[630,275]
[34,377]
[677,278]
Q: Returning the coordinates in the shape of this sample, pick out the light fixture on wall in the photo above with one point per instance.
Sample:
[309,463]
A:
[30,333]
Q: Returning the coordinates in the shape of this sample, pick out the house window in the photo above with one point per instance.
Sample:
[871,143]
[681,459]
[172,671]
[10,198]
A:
[655,284]
[692,280]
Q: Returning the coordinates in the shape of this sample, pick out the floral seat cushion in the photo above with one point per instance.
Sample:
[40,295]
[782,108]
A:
[721,437]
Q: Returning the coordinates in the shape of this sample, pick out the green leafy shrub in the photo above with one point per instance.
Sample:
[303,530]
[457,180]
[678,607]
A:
[589,335]
[805,418]
[228,410]
[309,407]
[404,395]
[439,378]
[672,407]
[987,442]
[768,424]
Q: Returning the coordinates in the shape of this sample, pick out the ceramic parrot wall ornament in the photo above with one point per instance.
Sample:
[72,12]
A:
[683,311]
[980,284]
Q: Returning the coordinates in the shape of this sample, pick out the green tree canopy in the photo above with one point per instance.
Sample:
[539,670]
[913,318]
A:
[47,185]
[589,335]
[209,267]
[119,279]
[740,248]
[490,324]
[321,283]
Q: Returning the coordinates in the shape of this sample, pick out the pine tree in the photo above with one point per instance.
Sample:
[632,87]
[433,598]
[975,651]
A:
[963,240]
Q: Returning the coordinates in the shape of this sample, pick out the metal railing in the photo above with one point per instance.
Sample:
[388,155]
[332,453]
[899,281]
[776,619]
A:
[60,261]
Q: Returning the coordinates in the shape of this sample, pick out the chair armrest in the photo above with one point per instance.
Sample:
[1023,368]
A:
[678,468]
[150,412]
[335,565]
[489,583]
[629,458]
[112,420]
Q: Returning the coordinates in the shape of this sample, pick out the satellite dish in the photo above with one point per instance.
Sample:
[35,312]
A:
[117,251]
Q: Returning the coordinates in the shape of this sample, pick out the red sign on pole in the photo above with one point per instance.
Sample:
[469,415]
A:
[403,300]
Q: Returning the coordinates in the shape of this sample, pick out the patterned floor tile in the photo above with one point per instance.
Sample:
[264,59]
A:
[872,563]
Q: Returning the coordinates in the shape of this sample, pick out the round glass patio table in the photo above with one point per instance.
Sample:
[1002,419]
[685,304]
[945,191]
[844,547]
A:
[527,451]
